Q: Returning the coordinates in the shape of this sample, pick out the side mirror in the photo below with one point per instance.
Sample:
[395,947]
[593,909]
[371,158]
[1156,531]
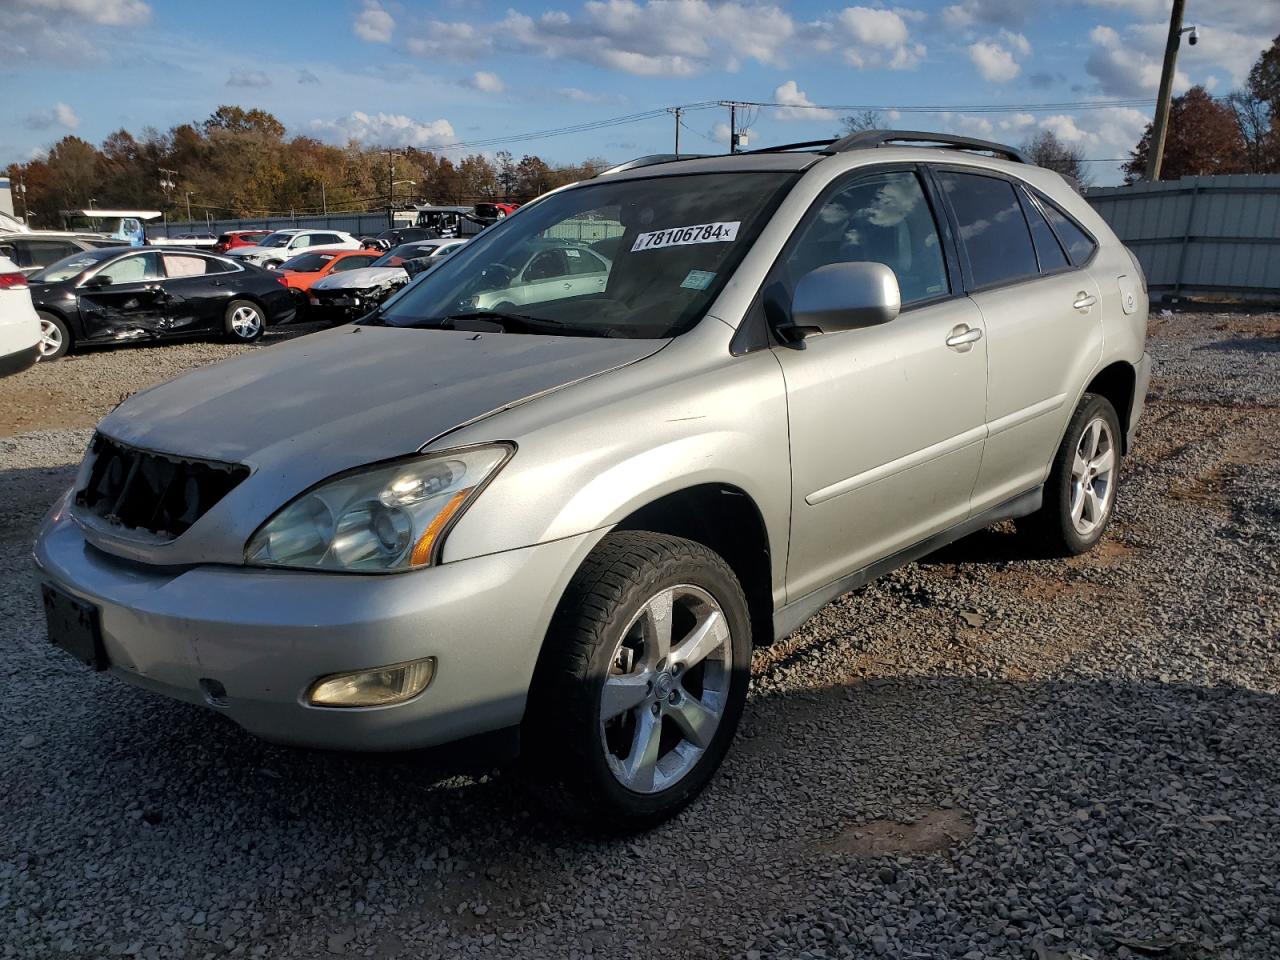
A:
[99,282]
[845,296]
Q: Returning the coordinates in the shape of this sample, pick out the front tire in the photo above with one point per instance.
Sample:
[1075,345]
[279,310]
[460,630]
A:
[55,336]
[1080,494]
[245,321]
[641,682]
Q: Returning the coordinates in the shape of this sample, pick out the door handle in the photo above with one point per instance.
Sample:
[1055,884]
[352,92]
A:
[962,336]
[567,284]
[1084,300]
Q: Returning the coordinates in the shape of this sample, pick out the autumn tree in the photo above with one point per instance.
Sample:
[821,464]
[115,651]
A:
[1257,110]
[1046,150]
[1203,138]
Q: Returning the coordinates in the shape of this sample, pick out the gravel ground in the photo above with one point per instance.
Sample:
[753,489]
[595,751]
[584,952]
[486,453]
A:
[984,754]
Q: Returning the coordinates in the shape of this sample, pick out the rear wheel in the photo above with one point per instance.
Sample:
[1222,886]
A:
[55,337]
[1080,494]
[642,681]
[244,321]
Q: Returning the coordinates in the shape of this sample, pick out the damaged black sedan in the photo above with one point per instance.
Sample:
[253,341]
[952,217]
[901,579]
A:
[123,294]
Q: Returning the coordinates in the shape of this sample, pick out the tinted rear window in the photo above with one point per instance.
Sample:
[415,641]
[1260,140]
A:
[1048,250]
[1080,245]
[992,228]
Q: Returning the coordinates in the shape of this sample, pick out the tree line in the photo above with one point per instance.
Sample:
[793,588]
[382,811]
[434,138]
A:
[239,163]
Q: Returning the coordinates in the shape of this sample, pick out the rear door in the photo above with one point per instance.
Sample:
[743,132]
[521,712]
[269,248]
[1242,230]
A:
[196,292]
[1043,326]
[886,422]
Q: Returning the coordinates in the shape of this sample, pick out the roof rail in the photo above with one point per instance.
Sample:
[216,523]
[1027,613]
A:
[865,139]
[802,145]
[650,160]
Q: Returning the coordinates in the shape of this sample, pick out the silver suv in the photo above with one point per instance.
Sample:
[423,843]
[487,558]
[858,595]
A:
[569,520]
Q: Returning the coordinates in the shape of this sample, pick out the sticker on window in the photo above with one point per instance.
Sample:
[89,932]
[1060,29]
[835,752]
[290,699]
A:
[698,280]
[681,236]
[573,254]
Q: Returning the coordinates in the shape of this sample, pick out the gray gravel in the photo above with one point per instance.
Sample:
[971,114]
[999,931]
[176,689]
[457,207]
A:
[985,754]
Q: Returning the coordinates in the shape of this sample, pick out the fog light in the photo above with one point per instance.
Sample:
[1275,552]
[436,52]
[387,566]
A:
[373,688]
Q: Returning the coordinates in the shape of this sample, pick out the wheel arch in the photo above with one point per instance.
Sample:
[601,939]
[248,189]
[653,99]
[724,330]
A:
[71,319]
[1117,382]
[725,519]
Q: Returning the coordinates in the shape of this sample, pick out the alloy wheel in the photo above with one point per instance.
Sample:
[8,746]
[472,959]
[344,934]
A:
[1093,470]
[667,688]
[50,338]
[246,322]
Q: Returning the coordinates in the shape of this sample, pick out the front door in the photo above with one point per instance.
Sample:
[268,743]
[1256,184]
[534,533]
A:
[887,422]
[131,305]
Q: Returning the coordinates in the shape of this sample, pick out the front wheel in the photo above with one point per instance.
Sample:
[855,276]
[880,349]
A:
[642,681]
[1080,494]
[245,321]
[55,337]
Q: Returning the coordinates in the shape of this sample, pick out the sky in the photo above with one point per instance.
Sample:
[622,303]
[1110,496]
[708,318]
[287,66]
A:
[483,75]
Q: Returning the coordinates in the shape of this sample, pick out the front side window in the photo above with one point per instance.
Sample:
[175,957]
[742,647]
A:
[276,240]
[674,241]
[883,218]
[134,269]
[993,231]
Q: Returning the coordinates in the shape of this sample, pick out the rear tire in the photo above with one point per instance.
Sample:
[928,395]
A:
[641,682]
[1080,494]
[55,336]
[245,321]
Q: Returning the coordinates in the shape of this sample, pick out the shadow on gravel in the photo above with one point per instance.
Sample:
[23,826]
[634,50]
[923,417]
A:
[1244,345]
[1098,811]
[273,334]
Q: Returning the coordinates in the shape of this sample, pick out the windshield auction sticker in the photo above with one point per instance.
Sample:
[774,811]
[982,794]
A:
[682,236]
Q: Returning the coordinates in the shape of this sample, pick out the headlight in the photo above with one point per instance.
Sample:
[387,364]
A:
[380,519]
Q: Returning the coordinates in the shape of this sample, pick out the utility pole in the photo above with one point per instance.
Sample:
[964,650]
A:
[391,189]
[1160,126]
[736,139]
[188,206]
[324,201]
[677,111]
[20,192]
[168,182]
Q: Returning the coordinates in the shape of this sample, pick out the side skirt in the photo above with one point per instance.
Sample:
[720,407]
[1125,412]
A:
[789,618]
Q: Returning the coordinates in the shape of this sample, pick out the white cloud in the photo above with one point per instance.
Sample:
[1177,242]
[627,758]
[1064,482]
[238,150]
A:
[61,115]
[386,129]
[451,41]
[486,82]
[994,62]
[108,13]
[1123,70]
[1017,42]
[720,133]
[253,79]
[800,107]
[373,24]
[873,38]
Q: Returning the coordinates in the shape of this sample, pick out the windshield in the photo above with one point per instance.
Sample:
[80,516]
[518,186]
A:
[66,268]
[308,262]
[275,240]
[630,258]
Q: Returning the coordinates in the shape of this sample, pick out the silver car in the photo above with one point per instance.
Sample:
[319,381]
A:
[565,523]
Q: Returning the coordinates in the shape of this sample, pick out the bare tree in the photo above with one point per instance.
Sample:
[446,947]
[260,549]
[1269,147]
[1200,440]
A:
[863,120]
[1046,150]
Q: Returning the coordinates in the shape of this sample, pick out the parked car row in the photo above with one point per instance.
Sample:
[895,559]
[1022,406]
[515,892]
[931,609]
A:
[352,293]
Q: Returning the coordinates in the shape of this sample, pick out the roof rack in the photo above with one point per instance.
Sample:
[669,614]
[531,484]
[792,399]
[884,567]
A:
[650,160]
[865,139]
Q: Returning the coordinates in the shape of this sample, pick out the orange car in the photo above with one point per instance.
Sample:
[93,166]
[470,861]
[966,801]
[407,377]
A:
[299,273]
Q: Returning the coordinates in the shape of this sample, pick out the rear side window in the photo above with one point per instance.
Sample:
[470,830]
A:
[993,230]
[1048,250]
[583,261]
[41,253]
[1080,245]
[181,265]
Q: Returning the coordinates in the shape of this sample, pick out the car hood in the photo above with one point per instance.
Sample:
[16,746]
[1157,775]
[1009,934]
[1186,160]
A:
[303,411]
[359,278]
[354,395]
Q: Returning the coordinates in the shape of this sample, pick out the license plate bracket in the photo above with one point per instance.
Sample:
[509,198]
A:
[74,626]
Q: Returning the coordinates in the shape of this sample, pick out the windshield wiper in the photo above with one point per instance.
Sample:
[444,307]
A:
[508,320]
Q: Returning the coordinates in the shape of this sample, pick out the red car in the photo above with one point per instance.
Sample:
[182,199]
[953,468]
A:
[238,238]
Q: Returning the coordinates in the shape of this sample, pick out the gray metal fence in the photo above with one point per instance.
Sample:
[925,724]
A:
[359,224]
[1213,237]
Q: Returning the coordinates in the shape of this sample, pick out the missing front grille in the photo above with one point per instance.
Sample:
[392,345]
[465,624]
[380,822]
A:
[161,494]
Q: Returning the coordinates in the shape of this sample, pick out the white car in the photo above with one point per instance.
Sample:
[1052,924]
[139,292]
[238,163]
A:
[19,325]
[354,292]
[278,247]
[542,270]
